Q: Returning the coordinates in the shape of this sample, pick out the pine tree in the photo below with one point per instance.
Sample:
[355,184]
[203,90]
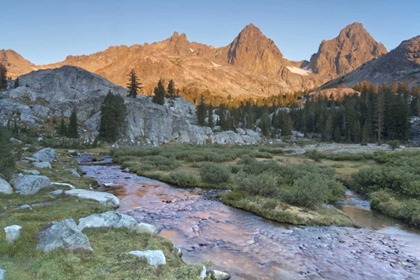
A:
[113,118]
[63,128]
[159,91]
[133,84]
[287,125]
[365,134]
[3,77]
[357,132]
[73,126]
[210,114]
[171,92]
[201,112]
[265,124]
[16,85]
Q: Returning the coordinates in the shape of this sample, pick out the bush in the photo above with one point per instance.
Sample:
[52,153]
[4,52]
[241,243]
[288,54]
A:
[213,173]
[394,144]
[315,155]
[7,159]
[263,184]
[182,179]
[313,189]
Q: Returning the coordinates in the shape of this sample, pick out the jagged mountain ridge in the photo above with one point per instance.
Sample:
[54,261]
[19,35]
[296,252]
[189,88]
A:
[251,66]
[399,65]
[350,49]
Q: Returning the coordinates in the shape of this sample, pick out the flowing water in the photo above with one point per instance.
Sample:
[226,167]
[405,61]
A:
[250,247]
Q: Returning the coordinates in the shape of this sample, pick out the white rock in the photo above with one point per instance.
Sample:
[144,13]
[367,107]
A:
[102,197]
[2,274]
[63,184]
[203,273]
[219,275]
[5,187]
[12,233]
[109,219]
[56,192]
[145,228]
[25,206]
[42,165]
[153,257]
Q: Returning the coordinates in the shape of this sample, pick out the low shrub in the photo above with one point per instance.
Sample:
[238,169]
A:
[182,179]
[213,173]
[263,184]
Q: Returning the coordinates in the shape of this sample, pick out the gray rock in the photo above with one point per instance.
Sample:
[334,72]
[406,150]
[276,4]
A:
[72,152]
[64,234]
[42,164]
[102,197]
[12,233]
[46,154]
[218,275]
[177,251]
[56,192]
[32,172]
[203,273]
[25,206]
[153,257]
[30,184]
[13,140]
[145,228]
[73,172]
[32,159]
[2,274]
[109,219]
[5,187]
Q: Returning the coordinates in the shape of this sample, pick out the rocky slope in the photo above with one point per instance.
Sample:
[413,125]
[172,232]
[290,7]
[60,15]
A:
[350,49]
[16,65]
[55,92]
[399,65]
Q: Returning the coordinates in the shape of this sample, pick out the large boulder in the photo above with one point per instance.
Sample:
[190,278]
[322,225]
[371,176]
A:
[2,274]
[64,234]
[109,219]
[12,233]
[5,187]
[46,154]
[102,197]
[153,257]
[145,228]
[30,184]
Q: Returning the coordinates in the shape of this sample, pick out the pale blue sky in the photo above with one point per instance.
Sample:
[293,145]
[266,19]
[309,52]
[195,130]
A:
[46,31]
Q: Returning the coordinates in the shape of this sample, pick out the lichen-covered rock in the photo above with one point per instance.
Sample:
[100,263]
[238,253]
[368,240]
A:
[5,187]
[145,228]
[109,219]
[102,197]
[30,184]
[46,154]
[153,257]
[65,235]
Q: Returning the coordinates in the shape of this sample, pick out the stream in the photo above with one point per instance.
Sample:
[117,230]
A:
[249,247]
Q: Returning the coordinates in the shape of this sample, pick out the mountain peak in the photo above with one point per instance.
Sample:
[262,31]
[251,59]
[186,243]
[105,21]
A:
[350,49]
[178,38]
[255,53]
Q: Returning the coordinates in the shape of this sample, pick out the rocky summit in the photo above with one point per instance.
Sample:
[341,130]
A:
[350,49]
[399,65]
[251,66]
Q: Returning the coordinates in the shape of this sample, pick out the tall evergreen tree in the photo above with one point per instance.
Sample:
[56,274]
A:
[133,84]
[62,131]
[201,112]
[113,118]
[287,125]
[210,116]
[159,91]
[171,91]
[3,77]
[16,85]
[73,126]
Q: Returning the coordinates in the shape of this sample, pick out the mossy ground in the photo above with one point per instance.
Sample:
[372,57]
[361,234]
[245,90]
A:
[110,258]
